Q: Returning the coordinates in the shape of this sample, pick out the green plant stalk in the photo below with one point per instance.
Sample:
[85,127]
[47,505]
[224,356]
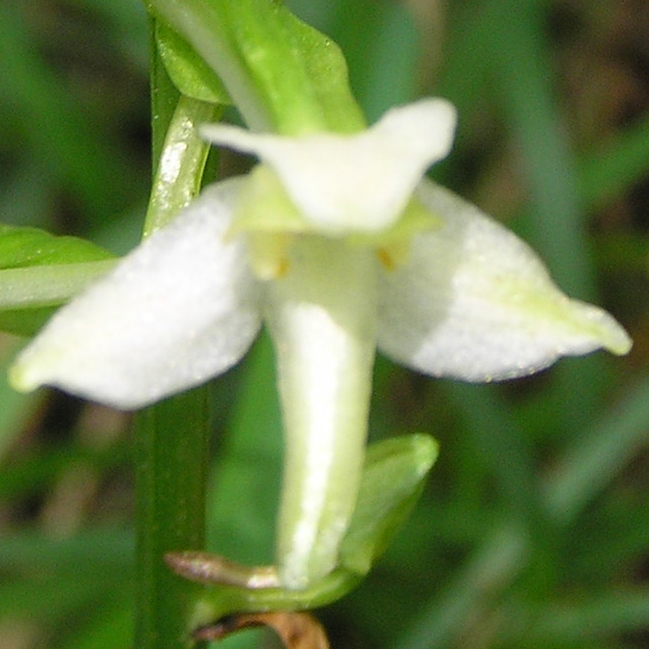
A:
[171,437]
[171,471]
[180,165]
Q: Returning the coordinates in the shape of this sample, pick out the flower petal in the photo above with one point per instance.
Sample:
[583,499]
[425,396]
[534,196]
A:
[179,309]
[475,302]
[352,183]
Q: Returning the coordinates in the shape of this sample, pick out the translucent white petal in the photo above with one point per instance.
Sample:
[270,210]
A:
[181,308]
[360,182]
[475,302]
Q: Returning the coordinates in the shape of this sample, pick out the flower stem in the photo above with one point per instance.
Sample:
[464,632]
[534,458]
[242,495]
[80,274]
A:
[171,472]
[179,169]
[172,436]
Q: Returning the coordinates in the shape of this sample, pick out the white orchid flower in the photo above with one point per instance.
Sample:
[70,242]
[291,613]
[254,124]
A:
[337,243]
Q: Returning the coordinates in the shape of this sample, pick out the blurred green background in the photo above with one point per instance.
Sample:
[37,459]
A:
[533,532]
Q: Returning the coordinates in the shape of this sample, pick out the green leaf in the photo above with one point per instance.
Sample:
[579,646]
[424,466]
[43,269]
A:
[25,322]
[326,69]
[24,248]
[188,71]
[21,247]
[393,477]
[281,74]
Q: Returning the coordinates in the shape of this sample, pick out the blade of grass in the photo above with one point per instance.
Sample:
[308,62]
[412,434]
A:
[613,168]
[108,550]
[594,459]
[466,67]
[58,126]
[489,569]
[53,597]
[530,106]
[28,477]
[382,56]
[614,535]
[126,22]
[605,614]
[109,627]
[499,442]
[555,221]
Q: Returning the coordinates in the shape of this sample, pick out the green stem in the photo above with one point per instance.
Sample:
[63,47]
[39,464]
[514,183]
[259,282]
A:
[164,99]
[179,168]
[171,474]
[172,436]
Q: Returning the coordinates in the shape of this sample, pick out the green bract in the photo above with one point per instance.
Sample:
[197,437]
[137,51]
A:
[392,479]
[189,73]
[393,475]
[282,74]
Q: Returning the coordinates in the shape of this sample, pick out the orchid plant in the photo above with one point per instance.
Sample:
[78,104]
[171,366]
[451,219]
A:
[340,245]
